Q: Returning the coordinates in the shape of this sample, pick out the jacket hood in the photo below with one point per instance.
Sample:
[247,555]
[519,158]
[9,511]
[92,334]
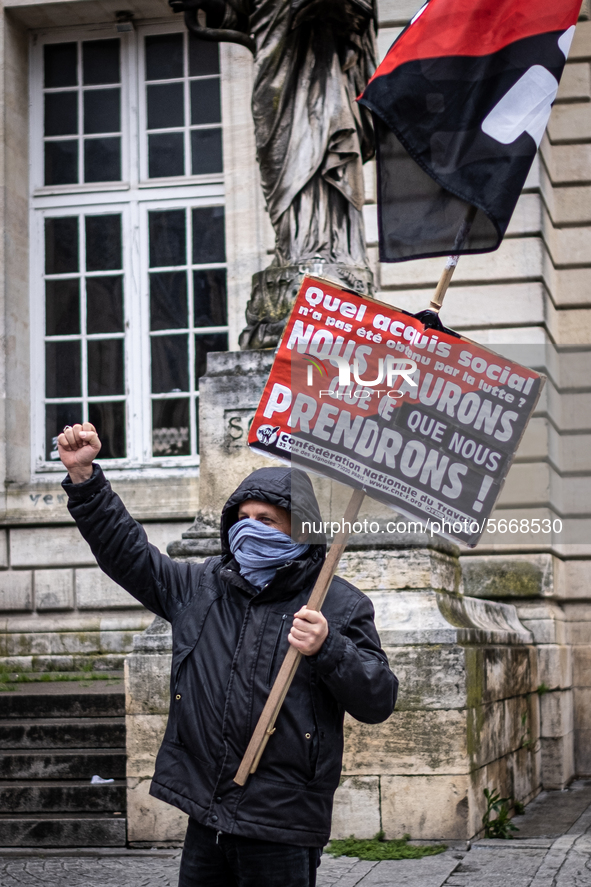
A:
[288,488]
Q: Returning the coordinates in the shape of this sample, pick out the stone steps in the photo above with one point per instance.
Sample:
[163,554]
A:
[54,737]
[54,796]
[62,733]
[62,764]
[101,699]
[62,830]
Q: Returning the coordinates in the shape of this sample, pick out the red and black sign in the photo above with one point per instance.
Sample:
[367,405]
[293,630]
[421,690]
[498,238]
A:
[428,422]
[460,104]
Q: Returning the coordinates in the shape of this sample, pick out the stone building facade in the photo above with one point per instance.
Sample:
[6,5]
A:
[89,135]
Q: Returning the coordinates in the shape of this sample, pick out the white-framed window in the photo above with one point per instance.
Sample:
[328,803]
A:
[188,317]
[82,112]
[128,263]
[181,107]
[85,324]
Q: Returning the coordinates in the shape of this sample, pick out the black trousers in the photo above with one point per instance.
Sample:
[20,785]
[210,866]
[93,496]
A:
[212,859]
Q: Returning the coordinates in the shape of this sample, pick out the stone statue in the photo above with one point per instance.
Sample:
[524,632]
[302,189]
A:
[312,58]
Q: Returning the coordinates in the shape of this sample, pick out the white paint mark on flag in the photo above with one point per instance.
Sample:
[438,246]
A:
[524,108]
[565,40]
[418,14]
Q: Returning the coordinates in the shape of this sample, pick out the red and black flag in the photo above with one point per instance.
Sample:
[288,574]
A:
[460,105]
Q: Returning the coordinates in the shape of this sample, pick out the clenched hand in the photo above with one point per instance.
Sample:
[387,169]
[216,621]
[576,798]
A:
[308,632]
[78,445]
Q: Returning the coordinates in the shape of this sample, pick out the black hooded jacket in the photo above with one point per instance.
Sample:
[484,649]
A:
[229,640]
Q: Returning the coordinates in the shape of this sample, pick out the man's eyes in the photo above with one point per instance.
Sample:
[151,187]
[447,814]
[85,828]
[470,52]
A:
[262,520]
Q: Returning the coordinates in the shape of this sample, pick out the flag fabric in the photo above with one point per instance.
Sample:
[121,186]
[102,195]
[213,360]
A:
[460,105]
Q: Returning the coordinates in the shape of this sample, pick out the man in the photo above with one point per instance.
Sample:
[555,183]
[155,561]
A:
[232,620]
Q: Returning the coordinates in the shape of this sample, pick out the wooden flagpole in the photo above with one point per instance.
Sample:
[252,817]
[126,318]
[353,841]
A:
[266,724]
[444,281]
[451,264]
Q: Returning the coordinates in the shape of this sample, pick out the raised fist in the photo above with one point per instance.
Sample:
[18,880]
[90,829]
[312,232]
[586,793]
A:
[78,445]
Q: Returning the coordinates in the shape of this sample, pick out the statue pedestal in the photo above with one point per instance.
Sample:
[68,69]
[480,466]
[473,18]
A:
[274,291]
[468,716]
[229,394]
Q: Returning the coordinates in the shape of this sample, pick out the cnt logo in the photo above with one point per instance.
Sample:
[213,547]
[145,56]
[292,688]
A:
[267,434]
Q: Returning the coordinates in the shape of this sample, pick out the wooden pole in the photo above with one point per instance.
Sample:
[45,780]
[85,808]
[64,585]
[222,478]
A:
[444,281]
[450,266]
[266,723]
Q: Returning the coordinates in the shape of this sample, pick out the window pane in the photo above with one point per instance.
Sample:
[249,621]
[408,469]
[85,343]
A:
[62,307]
[61,113]
[170,370]
[166,105]
[61,163]
[205,101]
[102,160]
[166,155]
[170,428]
[104,304]
[109,421]
[60,64]
[164,57]
[204,57]
[57,415]
[105,367]
[167,238]
[102,111]
[62,369]
[209,297]
[206,151]
[203,345]
[103,243]
[61,245]
[168,300]
[208,235]
[100,62]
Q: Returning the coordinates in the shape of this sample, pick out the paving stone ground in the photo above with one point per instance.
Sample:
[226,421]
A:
[553,849]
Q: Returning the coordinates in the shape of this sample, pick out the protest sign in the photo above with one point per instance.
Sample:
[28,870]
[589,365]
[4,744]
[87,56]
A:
[425,421]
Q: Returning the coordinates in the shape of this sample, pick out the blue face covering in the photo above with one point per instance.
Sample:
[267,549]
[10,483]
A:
[259,550]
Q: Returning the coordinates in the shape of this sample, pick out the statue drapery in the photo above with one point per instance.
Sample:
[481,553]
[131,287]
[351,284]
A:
[312,58]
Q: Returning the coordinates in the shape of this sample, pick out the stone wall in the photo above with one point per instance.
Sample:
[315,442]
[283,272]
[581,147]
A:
[467,716]
[59,611]
[545,590]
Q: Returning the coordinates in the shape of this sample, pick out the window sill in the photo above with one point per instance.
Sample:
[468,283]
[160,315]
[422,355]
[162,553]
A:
[127,471]
[48,191]
[216,179]
[101,187]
